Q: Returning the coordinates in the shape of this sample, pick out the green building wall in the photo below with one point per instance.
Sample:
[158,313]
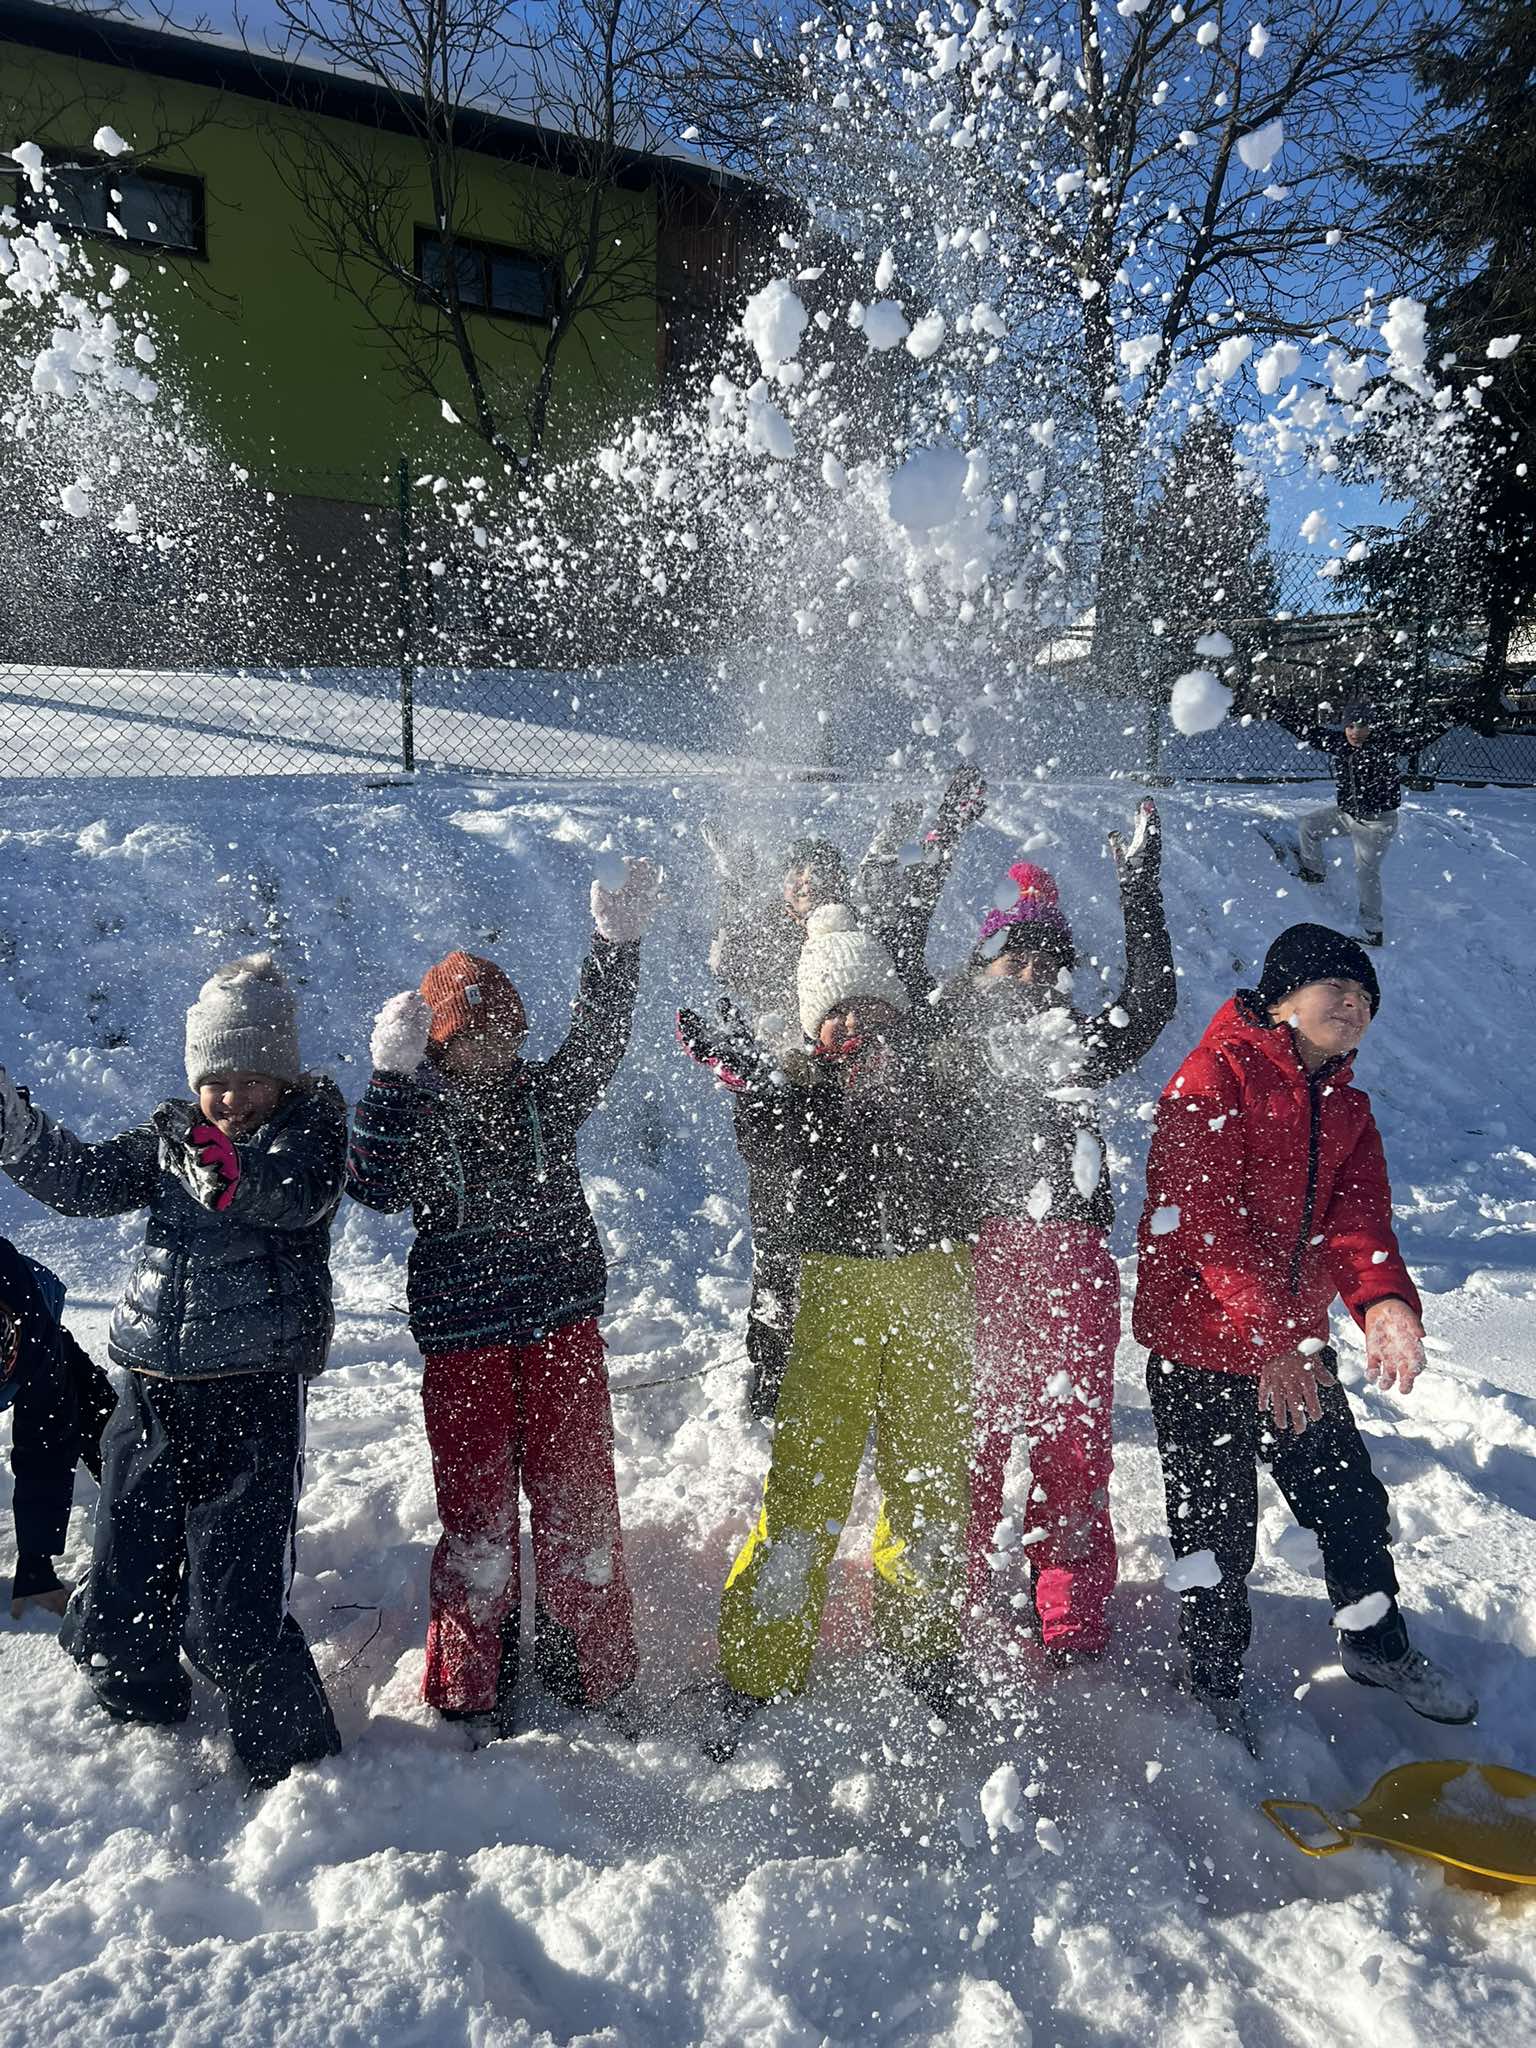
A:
[286,371]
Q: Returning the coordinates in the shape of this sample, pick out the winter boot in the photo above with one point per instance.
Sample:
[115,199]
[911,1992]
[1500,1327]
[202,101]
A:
[727,1713]
[1230,1714]
[936,1683]
[1420,1683]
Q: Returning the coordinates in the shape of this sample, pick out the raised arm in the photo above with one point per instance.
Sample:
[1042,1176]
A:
[62,1171]
[589,1058]
[381,1155]
[912,897]
[1121,1035]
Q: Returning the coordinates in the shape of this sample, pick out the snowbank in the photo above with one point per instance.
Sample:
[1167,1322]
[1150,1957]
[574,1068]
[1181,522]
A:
[1080,1860]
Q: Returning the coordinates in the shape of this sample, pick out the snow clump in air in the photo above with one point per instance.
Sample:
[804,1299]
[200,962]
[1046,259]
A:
[1198,702]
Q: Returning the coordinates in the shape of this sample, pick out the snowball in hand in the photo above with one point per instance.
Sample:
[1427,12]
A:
[1198,702]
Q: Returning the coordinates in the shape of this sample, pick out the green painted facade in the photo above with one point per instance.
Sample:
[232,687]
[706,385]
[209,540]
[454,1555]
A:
[290,377]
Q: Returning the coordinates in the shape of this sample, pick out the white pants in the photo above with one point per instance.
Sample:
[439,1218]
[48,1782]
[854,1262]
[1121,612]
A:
[1370,838]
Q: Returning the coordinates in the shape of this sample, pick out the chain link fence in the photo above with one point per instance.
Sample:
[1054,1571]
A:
[349,626]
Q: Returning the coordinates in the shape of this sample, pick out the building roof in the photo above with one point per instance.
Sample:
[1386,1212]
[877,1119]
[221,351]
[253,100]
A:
[228,64]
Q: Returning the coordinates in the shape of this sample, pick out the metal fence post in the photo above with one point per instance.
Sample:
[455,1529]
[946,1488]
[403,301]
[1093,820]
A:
[403,625]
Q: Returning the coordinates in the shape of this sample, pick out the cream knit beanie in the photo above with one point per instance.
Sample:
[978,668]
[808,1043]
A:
[840,959]
[244,1021]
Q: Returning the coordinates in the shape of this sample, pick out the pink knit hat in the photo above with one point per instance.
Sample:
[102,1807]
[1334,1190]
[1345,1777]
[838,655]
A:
[1039,904]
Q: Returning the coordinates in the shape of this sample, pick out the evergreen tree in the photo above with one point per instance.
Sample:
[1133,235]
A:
[1465,201]
[1203,557]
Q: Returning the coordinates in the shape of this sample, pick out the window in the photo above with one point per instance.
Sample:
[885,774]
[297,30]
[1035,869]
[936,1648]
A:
[145,209]
[489,279]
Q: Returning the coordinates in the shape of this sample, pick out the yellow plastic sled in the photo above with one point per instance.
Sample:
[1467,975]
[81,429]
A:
[1479,1820]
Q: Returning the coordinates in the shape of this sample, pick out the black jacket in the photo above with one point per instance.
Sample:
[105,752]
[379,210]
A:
[1028,1074]
[213,1293]
[506,1249]
[870,1158]
[1368,778]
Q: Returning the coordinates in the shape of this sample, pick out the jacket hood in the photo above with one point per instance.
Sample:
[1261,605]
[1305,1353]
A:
[1243,1020]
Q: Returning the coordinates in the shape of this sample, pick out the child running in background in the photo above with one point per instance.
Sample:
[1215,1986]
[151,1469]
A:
[225,1318]
[755,956]
[1047,1289]
[59,1400]
[866,1154]
[506,1283]
[1267,1196]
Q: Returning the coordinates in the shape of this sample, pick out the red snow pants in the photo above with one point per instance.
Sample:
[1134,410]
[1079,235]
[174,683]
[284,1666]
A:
[1047,1323]
[535,1415]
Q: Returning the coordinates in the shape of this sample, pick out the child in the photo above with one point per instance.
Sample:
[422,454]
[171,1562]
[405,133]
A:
[1267,1196]
[869,1163]
[754,956]
[505,1285]
[225,1318]
[60,1401]
[1047,1289]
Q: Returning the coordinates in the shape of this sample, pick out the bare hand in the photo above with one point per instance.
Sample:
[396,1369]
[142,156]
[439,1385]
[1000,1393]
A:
[1288,1390]
[1394,1346]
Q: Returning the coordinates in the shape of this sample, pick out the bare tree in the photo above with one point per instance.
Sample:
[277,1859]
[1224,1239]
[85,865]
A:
[576,78]
[1167,187]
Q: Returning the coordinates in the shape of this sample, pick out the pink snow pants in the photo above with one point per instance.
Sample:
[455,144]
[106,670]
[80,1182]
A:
[499,1416]
[1047,1323]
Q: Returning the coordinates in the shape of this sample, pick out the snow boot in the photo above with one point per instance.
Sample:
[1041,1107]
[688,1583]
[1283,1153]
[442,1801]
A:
[1230,1714]
[727,1713]
[936,1683]
[1427,1687]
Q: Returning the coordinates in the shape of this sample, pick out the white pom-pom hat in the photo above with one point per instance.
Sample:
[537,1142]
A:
[841,960]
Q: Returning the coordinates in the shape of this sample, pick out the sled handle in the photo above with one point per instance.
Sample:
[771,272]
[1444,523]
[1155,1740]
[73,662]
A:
[1271,1809]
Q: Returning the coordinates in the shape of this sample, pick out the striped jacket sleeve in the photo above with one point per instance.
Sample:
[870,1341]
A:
[381,1155]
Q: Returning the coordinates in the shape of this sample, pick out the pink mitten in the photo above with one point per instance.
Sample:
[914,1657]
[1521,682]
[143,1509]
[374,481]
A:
[214,1166]
[1394,1346]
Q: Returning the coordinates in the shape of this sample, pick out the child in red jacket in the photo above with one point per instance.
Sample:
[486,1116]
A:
[1267,1196]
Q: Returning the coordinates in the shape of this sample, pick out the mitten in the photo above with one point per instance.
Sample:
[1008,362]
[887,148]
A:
[1394,1346]
[399,1041]
[20,1124]
[963,803]
[1142,859]
[621,915]
[896,829]
[735,859]
[213,1166]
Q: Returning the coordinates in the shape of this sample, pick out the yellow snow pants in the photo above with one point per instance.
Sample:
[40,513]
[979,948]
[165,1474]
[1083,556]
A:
[877,1341]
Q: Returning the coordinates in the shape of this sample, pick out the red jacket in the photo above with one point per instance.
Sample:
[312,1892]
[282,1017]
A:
[1267,1195]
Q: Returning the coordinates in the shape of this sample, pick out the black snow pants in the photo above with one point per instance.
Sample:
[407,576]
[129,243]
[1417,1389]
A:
[194,1550]
[1212,1437]
[63,1400]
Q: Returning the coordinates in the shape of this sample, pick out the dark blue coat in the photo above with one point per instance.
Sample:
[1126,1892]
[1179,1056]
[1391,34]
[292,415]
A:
[213,1293]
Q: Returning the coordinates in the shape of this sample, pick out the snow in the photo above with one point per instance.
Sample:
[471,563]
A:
[1198,701]
[1363,1613]
[926,492]
[1165,1220]
[838,1881]
[773,321]
[926,337]
[109,142]
[885,325]
[1198,1569]
[1502,345]
[1259,148]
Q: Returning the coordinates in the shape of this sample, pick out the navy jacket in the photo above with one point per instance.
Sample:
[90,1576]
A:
[1368,778]
[506,1249]
[213,1293]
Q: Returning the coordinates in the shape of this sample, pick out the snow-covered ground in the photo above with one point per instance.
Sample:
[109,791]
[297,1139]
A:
[844,1880]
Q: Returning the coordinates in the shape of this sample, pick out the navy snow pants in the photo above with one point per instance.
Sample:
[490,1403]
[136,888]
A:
[194,1550]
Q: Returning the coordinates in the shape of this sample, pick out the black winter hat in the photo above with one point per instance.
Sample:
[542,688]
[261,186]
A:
[1313,952]
[825,861]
